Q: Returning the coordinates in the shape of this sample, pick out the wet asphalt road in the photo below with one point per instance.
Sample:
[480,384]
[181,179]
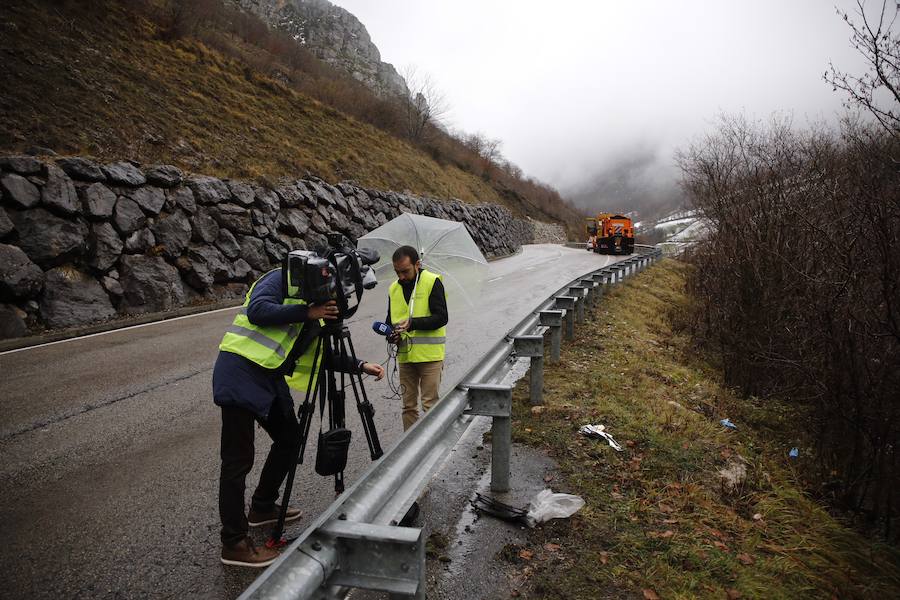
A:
[109,444]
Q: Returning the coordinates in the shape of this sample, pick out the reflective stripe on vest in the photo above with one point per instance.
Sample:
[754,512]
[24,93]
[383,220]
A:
[427,340]
[417,346]
[266,346]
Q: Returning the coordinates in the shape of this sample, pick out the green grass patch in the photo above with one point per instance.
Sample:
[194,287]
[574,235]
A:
[659,520]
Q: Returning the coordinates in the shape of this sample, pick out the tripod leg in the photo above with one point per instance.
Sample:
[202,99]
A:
[304,414]
[336,411]
[365,408]
[308,409]
[278,530]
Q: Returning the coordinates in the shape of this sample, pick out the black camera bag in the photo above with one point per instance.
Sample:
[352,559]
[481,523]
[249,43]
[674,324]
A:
[331,455]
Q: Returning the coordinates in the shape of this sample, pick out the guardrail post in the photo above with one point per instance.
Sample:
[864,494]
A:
[599,279]
[567,303]
[553,320]
[532,346]
[578,292]
[495,401]
[591,286]
[587,286]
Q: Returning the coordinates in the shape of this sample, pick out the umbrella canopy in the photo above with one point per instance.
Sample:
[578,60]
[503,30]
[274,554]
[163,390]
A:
[445,247]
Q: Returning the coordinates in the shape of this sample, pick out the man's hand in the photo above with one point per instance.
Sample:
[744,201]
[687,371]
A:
[328,311]
[402,326]
[373,369]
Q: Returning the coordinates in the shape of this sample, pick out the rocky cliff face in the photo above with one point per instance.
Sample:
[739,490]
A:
[82,242]
[333,35]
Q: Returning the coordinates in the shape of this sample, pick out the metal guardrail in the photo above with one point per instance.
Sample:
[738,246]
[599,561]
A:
[356,542]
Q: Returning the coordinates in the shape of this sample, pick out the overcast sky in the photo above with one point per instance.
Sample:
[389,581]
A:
[570,87]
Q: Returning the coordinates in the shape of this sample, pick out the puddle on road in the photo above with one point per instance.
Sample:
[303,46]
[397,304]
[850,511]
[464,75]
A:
[464,541]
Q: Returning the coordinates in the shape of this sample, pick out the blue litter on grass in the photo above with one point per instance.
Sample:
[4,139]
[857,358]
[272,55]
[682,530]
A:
[727,423]
[794,453]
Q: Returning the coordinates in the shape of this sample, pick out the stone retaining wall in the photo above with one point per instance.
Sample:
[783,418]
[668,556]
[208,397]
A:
[82,242]
[548,233]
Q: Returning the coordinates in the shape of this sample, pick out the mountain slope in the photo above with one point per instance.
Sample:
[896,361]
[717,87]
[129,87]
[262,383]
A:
[93,78]
[335,36]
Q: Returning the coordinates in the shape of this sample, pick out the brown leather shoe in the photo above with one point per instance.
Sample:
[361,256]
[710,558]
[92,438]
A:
[258,518]
[246,554]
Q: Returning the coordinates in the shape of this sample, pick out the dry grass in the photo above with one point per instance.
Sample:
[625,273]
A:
[656,515]
[88,78]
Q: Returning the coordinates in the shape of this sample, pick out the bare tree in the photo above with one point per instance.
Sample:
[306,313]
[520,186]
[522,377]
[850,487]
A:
[425,105]
[878,90]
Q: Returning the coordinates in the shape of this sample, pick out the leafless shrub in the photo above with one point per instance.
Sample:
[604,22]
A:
[798,286]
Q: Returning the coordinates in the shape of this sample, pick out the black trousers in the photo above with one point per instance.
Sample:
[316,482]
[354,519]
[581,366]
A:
[237,459]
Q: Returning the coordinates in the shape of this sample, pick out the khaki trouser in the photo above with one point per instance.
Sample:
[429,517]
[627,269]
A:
[413,376]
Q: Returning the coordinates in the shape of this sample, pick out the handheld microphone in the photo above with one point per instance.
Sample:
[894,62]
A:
[382,328]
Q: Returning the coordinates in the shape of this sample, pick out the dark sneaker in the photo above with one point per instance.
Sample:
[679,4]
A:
[246,554]
[257,518]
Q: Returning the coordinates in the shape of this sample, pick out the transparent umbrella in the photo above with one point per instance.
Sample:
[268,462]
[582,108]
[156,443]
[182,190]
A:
[445,247]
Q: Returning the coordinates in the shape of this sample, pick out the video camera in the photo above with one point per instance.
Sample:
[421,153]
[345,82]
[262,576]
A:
[335,272]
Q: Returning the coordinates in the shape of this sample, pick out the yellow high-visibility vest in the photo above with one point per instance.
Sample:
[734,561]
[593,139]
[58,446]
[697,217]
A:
[269,346]
[304,369]
[417,346]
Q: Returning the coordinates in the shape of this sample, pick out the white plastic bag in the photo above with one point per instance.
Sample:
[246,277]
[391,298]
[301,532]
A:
[547,505]
[599,432]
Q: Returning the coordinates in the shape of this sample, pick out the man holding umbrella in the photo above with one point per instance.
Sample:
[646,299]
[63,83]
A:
[417,311]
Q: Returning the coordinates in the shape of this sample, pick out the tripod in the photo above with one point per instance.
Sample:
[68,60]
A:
[333,347]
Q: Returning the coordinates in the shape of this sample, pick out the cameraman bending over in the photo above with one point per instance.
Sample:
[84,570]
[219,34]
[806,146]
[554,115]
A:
[271,338]
[419,321]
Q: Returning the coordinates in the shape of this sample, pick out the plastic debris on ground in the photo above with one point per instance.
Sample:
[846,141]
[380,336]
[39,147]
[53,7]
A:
[727,423]
[547,505]
[498,509]
[599,432]
[794,453]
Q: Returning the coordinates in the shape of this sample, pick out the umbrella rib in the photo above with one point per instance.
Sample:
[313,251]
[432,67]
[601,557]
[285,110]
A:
[438,241]
[368,237]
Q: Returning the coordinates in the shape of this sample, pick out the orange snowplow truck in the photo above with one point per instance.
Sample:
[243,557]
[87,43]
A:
[610,234]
